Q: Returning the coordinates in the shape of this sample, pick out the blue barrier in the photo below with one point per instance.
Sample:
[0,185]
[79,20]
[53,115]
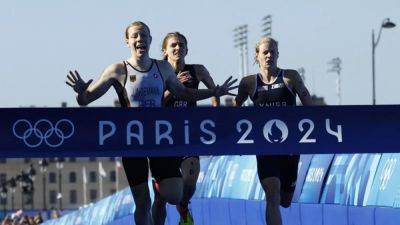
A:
[356,187]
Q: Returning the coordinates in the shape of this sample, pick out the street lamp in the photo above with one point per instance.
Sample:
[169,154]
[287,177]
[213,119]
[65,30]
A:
[386,23]
[13,185]
[336,67]
[43,164]
[59,166]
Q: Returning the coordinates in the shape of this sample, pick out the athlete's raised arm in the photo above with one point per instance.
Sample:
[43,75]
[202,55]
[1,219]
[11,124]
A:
[189,94]
[86,93]
[205,77]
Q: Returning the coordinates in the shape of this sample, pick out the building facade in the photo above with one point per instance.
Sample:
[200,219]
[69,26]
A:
[63,183]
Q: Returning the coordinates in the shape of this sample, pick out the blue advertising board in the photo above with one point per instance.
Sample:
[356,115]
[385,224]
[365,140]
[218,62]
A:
[349,178]
[52,132]
[315,178]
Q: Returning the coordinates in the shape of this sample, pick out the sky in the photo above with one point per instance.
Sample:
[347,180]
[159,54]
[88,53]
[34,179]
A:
[42,40]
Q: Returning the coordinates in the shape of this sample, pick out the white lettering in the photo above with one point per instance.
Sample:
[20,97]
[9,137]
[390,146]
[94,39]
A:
[166,134]
[102,136]
[186,132]
[130,135]
[243,139]
[305,138]
[212,134]
[337,134]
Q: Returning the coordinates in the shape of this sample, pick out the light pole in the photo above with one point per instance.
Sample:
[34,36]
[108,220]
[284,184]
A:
[13,185]
[59,166]
[335,62]
[3,196]
[386,23]
[43,164]
[31,176]
[240,40]
[266,27]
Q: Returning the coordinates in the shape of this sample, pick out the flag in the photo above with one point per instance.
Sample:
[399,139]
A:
[102,172]
[84,178]
[118,165]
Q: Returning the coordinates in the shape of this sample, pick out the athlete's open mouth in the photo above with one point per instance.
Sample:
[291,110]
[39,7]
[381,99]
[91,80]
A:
[178,53]
[141,47]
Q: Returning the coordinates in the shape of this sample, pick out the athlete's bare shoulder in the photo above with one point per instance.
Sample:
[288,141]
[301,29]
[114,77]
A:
[116,70]
[114,73]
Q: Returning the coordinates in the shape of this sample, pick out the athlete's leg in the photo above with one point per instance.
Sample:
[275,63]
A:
[142,200]
[268,173]
[137,172]
[286,199]
[158,210]
[190,168]
[288,179]
[168,184]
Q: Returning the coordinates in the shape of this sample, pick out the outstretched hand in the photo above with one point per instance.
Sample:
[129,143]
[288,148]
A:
[225,88]
[77,83]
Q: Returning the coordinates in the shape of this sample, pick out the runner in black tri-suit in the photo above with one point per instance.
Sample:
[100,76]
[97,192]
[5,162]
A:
[140,81]
[274,87]
[175,49]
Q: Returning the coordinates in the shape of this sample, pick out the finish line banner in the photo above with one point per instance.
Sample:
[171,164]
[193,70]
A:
[100,132]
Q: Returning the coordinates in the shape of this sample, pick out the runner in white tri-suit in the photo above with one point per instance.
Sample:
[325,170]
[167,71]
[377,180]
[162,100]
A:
[274,87]
[140,81]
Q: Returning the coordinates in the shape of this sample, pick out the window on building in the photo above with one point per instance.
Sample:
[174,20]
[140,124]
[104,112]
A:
[112,191]
[72,197]
[72,159]
[93,195]
[93,177]
[53,197]
[92,159]
[52,177]
[113,176]
[72,177]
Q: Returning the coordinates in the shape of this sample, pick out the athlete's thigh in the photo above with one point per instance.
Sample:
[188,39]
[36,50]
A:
[289,169]
[165,167]
[136,170]
[268,166]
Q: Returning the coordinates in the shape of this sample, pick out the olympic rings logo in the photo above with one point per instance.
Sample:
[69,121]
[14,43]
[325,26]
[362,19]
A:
[43,130]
